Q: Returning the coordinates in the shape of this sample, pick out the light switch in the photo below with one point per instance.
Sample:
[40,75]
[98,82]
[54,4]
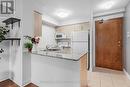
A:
[128,34]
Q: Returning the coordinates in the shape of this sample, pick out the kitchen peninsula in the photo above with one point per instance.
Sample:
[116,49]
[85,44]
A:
[58,69]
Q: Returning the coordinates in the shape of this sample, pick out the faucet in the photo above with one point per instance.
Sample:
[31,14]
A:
[1,50]
[47,47]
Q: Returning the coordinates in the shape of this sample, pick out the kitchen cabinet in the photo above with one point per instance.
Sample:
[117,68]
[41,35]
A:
[69,29]
[65,29]
[55,72]
[77,27]
[78,34]
[74,27]
[83,71]
[37,24]
[81,27]
[85,26]
[81,36]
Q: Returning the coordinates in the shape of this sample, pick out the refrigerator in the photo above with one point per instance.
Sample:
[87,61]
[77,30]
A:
[81,44]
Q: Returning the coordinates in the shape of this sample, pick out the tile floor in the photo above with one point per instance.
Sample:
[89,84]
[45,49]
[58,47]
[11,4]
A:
[107,78]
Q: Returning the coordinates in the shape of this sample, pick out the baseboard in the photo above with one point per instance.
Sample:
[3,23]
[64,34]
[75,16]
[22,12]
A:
[127,74]
[3,79]
[7,82]
[26,84]
[35,82]
[31,85]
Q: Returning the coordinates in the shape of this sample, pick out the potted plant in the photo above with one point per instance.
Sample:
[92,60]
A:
[3,32]
[34,40]
[29,46]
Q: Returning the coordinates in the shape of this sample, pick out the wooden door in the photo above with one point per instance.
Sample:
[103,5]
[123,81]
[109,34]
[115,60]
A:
[109,43]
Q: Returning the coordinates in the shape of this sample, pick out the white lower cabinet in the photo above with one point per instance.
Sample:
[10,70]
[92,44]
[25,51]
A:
[53,72]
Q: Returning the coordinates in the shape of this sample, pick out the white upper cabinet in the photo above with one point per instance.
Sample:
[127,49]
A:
[81,36]
[69,29]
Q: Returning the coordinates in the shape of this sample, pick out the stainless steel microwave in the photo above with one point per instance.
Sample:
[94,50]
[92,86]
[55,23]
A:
[60,36]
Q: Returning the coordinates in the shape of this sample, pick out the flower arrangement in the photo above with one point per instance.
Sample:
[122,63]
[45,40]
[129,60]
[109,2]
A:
[32,40]
[35,40]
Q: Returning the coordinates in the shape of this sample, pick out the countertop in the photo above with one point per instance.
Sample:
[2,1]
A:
[61,55]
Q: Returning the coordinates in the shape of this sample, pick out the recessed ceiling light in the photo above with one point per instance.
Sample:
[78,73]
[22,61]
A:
[107,5]
[62,13]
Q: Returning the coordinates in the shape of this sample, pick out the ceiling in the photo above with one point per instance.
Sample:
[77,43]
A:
[80,9]
[118,4]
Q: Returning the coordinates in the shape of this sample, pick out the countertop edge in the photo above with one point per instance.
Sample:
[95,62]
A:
[80,55]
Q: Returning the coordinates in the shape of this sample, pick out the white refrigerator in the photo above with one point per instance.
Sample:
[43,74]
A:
[80,42]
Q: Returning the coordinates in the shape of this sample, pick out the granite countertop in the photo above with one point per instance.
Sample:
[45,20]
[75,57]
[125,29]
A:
[61,55]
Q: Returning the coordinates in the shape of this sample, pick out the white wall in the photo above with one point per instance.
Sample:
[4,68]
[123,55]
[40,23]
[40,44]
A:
[26,68]
[16,50]
[110,12]
[75,21]
[111,16]
[48,36]
[12,59]
[127,39]
[4,61]
[4,58]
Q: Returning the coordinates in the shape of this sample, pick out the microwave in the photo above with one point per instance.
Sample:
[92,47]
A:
[60,36]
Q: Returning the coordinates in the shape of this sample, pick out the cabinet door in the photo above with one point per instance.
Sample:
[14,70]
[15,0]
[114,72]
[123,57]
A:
[83,71]
[85,26]
[66,29]
[37,24]
[81,36]
[78,27]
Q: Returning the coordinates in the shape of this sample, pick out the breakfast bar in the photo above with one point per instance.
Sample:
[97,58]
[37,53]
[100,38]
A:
[58,69]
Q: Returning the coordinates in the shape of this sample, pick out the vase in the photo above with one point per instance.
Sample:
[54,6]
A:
[30,50]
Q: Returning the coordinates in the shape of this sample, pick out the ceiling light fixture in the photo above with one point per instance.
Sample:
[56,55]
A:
[107,5]
[62,13]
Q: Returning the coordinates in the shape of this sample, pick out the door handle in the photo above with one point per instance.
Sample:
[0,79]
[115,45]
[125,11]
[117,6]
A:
[119,42]
[119,45]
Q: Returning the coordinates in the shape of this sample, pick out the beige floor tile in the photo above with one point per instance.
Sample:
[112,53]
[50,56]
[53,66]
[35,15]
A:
[106,84]
[102,77]
[94,84]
